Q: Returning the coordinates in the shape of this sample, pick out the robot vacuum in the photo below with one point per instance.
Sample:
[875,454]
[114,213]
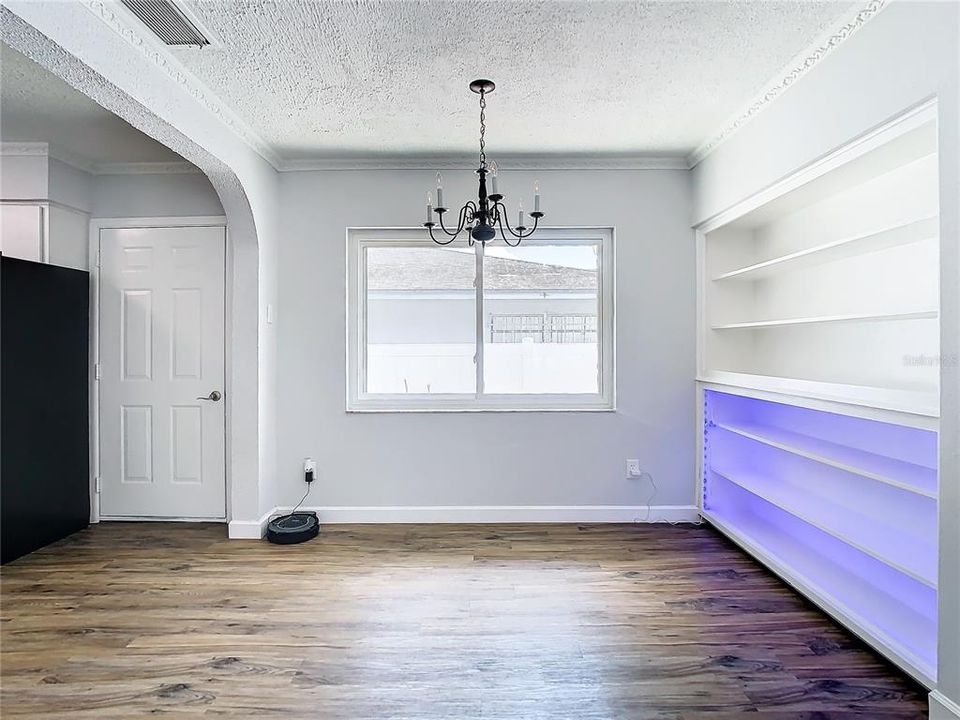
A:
[297,527]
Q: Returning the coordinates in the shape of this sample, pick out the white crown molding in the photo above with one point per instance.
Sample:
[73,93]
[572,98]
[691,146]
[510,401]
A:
[798,67]
[127,26]
[72,159]
[177,167]
[24,149]
[505,163]
[48,150]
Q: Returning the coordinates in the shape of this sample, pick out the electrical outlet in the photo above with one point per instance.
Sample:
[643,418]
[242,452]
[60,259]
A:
[633,469]
[309,469]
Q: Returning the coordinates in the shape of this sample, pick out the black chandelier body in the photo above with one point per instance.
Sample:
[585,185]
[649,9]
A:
[483,218]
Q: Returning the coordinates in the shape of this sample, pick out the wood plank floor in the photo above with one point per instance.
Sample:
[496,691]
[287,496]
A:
[456,621]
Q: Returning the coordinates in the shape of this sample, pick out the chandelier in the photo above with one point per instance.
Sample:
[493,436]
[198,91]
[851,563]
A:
[481,219]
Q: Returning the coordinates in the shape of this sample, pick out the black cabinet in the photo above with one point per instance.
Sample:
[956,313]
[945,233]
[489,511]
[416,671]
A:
[44,410]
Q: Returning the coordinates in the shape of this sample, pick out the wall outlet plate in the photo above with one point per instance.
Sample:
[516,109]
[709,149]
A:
[309,466]
[633,469]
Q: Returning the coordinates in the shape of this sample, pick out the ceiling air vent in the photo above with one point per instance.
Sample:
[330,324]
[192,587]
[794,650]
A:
[167,21]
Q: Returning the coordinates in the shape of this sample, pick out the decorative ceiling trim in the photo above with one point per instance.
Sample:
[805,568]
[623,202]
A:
[24,149]
[72,159]
[42,149]
[47,150]
[505,163]
[176,167]
[125,24]
[795,70]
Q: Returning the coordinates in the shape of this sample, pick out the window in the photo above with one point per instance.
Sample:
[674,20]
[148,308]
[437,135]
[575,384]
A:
[466,328]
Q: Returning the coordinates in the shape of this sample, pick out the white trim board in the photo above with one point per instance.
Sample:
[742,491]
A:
[942,707]
[91,167]
[481,514]
[505,163]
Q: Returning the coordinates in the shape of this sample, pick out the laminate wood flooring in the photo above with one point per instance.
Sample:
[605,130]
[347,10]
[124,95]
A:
[128,620]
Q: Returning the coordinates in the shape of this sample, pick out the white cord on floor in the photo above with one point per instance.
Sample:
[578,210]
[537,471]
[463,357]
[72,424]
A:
[653,494]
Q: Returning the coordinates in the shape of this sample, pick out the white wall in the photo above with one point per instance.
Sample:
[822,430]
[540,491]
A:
[65,194]
[23,177]
[69,186]
[490,459]
[154,195]
[907,54]
[76,196]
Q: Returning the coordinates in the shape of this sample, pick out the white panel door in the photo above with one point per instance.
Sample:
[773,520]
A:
[162,372]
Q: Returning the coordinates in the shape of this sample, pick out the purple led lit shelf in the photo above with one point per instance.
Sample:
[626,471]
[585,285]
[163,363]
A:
[842,507]
[897,473]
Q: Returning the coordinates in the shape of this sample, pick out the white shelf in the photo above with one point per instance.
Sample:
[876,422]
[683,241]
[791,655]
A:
[814,575]
[915,402]
[821,319]
[892,547]
[891,471]
[910,232]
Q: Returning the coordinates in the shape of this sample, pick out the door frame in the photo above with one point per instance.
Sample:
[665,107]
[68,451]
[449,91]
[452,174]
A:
[93,256]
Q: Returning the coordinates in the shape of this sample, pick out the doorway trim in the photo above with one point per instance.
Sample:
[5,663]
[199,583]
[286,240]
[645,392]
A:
[93,257]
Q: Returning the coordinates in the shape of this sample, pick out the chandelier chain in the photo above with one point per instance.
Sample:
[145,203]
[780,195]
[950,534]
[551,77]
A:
[483,130]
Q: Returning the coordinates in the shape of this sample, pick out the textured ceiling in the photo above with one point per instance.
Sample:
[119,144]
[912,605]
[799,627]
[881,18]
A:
[36,106]
[339,79]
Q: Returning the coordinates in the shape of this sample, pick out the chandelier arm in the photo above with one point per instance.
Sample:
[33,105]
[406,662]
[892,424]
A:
[439,242]
[536,221]
[500,219]
[460,223]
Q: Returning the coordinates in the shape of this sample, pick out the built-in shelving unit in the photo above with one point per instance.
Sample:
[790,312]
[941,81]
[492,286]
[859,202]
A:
[818,345]
[835,280]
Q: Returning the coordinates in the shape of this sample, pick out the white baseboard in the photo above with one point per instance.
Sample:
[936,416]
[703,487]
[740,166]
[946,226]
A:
[942,707]
[479,514]
[250,529]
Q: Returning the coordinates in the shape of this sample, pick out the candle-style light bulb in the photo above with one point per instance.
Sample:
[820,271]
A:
[429,207]
[536,196]
[492,169]
[520,221]
[439,190]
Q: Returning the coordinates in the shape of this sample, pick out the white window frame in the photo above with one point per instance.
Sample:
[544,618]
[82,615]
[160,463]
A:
[358,400]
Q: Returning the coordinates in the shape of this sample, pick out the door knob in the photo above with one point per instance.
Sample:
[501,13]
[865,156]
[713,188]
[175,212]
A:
[214,396]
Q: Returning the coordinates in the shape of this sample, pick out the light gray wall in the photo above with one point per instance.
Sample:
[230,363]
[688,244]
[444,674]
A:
[23,177]
[70,186]
[154,195]
[69,222]
[470,459]
[907,54]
